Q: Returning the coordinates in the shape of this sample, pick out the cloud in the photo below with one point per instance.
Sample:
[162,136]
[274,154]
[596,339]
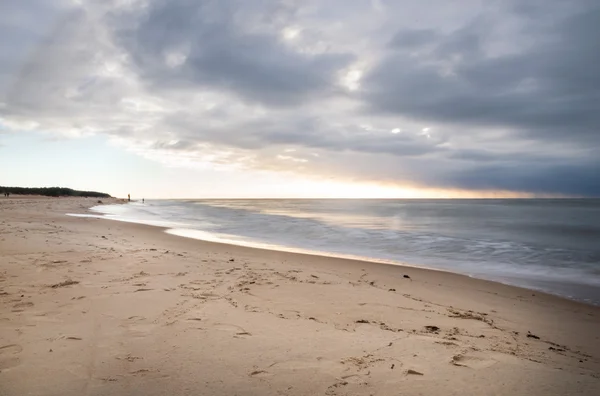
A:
[22,25]
[192,44]
[545,86]
[413,38]
[480,96]
[579,179]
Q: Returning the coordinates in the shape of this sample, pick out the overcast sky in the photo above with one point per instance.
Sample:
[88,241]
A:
[302,97]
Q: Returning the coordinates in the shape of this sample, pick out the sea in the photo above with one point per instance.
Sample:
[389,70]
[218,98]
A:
[551,245]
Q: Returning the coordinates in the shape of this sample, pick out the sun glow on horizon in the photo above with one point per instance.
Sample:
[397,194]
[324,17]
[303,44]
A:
[303,188]
[145,177]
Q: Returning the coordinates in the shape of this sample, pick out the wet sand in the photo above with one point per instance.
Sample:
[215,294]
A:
[98,307]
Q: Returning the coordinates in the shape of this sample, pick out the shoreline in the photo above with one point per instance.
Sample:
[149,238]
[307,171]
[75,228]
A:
[285,249]
[367,261]
[91,306]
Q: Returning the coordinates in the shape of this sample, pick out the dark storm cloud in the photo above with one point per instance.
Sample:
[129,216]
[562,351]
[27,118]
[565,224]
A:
[579,179]
[219,50]
[548,90]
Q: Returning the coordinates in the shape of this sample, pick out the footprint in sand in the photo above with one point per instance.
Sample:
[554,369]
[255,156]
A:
[23,305]
[50,317]
[332,389]
[20,307]
[320,365]
[9,356]
[473,362]
[138,327]
[258,373]
[237,331]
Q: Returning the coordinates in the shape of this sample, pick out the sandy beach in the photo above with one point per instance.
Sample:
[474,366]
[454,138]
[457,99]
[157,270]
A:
[99,307]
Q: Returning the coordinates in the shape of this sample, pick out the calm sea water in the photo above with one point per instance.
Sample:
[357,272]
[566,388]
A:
[550,245]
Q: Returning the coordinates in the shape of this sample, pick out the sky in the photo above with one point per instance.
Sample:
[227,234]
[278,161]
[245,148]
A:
[302,98]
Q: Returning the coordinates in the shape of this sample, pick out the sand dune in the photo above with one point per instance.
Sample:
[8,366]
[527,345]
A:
[96,307]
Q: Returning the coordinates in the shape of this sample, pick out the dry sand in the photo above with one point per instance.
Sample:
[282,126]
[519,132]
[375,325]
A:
[97,307]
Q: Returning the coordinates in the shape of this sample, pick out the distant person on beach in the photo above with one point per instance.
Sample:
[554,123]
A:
[128,197]
[142,200]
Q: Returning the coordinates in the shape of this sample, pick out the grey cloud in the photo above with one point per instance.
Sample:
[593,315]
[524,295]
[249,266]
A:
[546,90]
[222,52]
[518,175]
[302,132]
[577,179]
[551,88]
[411,38]
[23,27]
[59,79]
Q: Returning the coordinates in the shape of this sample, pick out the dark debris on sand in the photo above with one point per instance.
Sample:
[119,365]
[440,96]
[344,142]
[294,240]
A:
[68,282]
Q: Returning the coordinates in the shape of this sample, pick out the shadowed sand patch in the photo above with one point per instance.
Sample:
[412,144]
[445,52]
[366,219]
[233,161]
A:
[475,362]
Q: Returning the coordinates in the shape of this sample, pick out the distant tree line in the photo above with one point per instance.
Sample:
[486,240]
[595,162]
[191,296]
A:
[52,192]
